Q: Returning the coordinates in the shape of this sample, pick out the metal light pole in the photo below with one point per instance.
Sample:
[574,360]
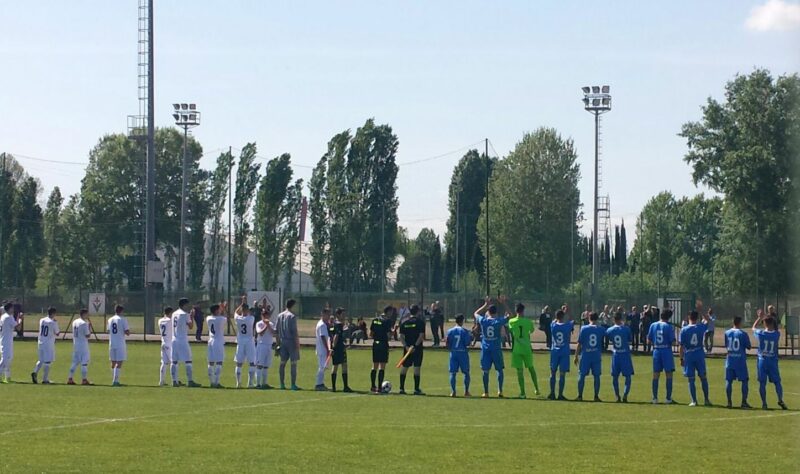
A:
[186,116]
[596,100]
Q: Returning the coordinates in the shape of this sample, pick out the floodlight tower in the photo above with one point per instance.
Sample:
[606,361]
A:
[596,100]
[186,116]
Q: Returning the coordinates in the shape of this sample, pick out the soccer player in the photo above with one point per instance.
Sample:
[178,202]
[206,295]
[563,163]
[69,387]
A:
[457,340]
[165,328]
[245,344]
[117,349]
[660,336]
[559,354]
[81,331]
[493,331]
[736,342]
[339,348]
[693,356]
[265,332]
[412,333]
[379,331]
[289,341]
[322,337]
[216,323]
[48,330]
[590,339]
[767,365]
[621,363]
[7,327]
[521,353]
[181,352]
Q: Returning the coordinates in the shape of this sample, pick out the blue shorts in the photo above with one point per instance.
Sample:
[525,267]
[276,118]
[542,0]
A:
[768,370]
[663,361]
[459,361]
[694,361]
[736,371]
[492,357]
[559,362]
[621,364]
[590,362]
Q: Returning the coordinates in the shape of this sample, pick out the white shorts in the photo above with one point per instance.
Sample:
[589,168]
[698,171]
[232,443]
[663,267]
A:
[166,354]
[7,354]
[117,353]
[47,353]
[245,351]
[80,357]
[181,352]
[321,360]
[264,355]
[216,353]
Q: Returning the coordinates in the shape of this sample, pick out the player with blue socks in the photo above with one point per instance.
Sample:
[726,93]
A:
[736,342]
[457,340]
[620,336]
[767,365]
[661,336]
[693,356]
[590,340]
[493,332]
[561,333]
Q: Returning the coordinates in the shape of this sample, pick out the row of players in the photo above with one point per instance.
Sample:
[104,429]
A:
[256,341]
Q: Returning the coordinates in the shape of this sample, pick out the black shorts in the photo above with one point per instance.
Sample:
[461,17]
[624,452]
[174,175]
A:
[380,353]
[414,359]
[339,356]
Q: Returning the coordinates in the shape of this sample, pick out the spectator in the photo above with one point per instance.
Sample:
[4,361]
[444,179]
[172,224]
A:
[708,339]
[646,320]
[605,323]
[585,315]
[358,331]
[633,320]
[19,316]
[437,323]
[771,313]
[197,316]
[545,319]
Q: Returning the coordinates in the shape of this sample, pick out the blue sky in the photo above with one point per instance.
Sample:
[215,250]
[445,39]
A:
[444,75]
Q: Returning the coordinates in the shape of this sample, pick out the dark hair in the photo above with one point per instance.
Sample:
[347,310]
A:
[492,309]
[737,320]
[666,315]
[214,308]
[520,307]
[459,319]
[770,322]
[267,309]
[693,315]
[168,310]
[289,303]
[183,302]
[593,316]
[118,308]
[245,306]
[339,311]
[414,309]
[325,311]
[618,317]
[559,314]
[83,311]
[388,310]
[51,311]
[8,306]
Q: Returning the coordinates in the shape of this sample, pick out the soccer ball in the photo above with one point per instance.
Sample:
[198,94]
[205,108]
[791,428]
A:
[386,387]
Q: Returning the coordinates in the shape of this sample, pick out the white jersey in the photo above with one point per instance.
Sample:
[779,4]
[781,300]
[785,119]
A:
[80,335]
[321,332]
[48,330]
[264,336]
[216,330]
[165,329]
[180,326]
[7,325]
[244,328]
[117,326]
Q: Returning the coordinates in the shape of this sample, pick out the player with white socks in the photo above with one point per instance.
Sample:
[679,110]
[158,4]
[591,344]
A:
[7,327]
[323,349]
[265,332]
[165,329]
[245,344]
[117,348]
[215,322]
[181,352]
[81,332]
[48,330]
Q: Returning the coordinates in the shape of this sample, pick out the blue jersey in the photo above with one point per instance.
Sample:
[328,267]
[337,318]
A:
[491,331]
[561,333]
[661,334]
[458,339]
[737,342]
[590,339]
[620,337]
[767,343]
[691,337]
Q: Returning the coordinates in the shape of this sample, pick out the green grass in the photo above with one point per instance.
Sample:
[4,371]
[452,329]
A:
[141,427]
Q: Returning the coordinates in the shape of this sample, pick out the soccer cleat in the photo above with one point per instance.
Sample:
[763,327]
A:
[34,377]
[746,406]
[522,396]
[116,384]
[45,382]
[192,383]
[693,404]
[162,384]
[419,392]
[319,388]
[655,401]
[729,405]
[452,394]
[268,387]
[597,399]
[86,382]
[374,390]
[619,400]
[708,403]
[764,407]
[401,392]
[347,390]
[624,399]
[295,388]
[536,392]
[175,383]
[283,387]
[579,398]
[467,394]
[551,397]
[562,398]
[500,395]
[782,405]
[484,395]
[70,382]
[669,401]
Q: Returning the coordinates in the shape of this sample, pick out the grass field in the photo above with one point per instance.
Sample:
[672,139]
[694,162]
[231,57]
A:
[141,427]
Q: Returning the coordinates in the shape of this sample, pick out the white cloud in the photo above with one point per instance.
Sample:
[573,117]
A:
[775,15]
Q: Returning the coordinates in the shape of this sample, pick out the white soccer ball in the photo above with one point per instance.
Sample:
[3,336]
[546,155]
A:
[386,386]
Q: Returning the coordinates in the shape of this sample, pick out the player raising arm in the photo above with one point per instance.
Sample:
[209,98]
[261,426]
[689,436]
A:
[661,336]
[165,329]
[590,338]
[767,364]
[117,349]
[493,330]
[693,357]
[216,323]
[245,344]
[621,363]
[736,342]
[48,330]
[181,352]
[81,331]
[457,340]
[265,335]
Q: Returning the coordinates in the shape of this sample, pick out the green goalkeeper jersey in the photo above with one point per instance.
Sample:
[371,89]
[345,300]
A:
[521,329]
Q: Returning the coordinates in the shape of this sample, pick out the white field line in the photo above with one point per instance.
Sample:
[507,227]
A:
[54,417]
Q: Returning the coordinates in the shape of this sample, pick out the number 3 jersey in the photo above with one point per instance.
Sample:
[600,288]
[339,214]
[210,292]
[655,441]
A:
[561,333]
[244,329]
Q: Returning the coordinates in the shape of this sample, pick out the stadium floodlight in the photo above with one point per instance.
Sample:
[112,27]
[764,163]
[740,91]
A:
[596,100]
[186,116]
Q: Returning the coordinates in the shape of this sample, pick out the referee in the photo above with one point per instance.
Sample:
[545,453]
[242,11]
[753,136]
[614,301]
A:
[379,330]
[412,332]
